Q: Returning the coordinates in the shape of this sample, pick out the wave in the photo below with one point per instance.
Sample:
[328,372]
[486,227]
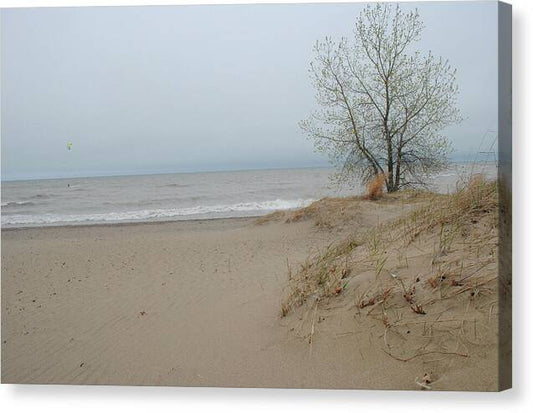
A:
[175,185]
[16,203]
[158,201]
[231,210]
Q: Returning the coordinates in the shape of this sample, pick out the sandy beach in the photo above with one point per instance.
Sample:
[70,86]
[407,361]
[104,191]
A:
[198,303]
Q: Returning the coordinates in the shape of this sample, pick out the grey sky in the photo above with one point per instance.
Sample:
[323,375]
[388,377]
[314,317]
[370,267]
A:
[184,88]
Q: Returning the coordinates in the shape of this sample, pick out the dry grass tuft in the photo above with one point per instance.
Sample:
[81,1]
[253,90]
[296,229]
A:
[324,275]
[374,189]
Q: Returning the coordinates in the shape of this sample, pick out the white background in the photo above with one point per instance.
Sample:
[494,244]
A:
[43,399]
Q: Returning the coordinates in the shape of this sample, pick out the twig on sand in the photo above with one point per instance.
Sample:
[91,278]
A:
[423,354]
[313,327]
[422,384]
[447,320]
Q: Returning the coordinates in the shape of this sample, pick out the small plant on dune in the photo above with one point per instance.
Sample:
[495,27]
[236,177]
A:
[324,275]
[374,189]
[377,250]
[446,237]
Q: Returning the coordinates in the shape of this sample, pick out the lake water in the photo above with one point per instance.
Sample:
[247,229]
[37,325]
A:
[182,196]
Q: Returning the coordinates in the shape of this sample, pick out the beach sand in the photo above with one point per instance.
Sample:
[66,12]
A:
[198,303]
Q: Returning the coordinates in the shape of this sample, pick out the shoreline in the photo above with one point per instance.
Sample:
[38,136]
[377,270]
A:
[130,223]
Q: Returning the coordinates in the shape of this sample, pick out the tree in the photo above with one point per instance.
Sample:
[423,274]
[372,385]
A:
[383,104]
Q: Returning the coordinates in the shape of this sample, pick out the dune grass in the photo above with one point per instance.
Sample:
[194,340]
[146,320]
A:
[445,220]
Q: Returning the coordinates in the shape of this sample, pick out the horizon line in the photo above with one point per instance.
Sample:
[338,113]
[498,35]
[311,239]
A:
[200,171]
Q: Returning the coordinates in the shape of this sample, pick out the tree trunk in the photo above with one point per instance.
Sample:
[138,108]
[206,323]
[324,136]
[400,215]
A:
[398,164]
[390,166]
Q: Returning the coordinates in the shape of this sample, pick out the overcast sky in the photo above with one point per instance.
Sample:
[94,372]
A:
[191,88]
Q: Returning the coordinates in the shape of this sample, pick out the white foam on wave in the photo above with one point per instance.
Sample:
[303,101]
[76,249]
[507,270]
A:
[157,214]
[16,203]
